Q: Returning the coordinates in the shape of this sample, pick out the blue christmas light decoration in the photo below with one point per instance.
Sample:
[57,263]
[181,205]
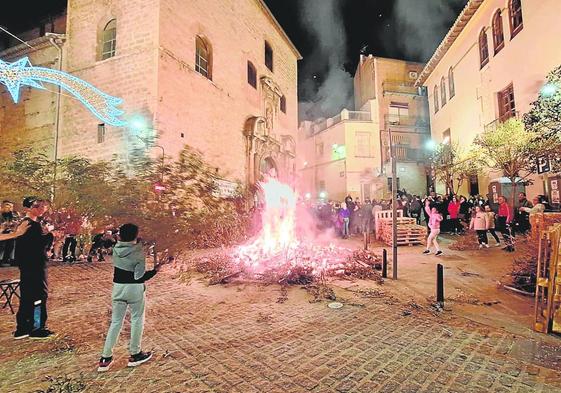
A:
[22,73]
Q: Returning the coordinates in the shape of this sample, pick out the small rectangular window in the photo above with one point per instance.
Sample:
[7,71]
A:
[101,133]
[362,144]
[507,106]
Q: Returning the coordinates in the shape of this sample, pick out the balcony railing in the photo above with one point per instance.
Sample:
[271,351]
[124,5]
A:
[419,124]
[403,88]
[508,115]
[345,115]
[404,153]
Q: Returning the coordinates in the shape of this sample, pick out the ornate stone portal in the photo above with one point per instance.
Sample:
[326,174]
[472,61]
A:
[265,151]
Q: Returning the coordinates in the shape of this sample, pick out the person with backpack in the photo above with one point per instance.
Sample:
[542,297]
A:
[129,276]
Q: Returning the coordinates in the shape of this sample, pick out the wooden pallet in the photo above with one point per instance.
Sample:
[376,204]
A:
[408,234]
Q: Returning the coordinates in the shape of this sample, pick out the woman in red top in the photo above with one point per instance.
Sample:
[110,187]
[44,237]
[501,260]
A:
[504,219]
[454,211]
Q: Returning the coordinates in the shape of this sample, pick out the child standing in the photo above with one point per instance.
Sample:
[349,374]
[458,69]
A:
[128,291]
[434,224]
[480,222]
[491,224]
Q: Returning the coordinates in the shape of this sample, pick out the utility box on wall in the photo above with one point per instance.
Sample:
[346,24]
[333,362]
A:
[503,187]
[553,191]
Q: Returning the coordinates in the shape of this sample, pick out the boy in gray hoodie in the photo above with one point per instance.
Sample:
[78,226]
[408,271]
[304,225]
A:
[128,291]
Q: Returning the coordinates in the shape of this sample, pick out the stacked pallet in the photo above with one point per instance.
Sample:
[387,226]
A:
[408,232]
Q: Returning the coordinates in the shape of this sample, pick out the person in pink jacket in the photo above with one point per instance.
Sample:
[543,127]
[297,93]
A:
[434,224]
[454,211]
[480,222]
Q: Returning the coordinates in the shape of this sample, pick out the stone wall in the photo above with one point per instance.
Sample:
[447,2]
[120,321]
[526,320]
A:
[210,114]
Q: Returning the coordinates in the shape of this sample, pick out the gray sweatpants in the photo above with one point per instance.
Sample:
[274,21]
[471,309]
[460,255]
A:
[124,295]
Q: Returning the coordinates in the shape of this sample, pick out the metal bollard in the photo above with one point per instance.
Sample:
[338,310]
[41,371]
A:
[440,284]
[384,263]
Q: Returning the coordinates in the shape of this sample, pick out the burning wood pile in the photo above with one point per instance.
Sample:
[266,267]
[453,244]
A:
[276,255]
[306,264]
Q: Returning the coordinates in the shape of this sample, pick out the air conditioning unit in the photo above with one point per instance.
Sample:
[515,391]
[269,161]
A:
[413,75]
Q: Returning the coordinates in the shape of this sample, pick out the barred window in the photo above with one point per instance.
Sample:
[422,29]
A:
[109,40]
[516,21]
[251,75]
[451,83]
[436,106]
[203,57]
[101,133]
[483,48]
[498,32]
[268,56]
[443,91]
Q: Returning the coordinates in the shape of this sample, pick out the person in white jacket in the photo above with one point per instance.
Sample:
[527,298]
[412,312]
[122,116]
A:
[480,222]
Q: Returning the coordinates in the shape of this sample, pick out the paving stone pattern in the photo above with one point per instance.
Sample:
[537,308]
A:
[239,339]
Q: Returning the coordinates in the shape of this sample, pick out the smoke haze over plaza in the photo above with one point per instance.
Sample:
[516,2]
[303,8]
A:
[330,34]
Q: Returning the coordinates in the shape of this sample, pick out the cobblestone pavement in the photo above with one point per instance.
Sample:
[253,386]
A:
[238,338]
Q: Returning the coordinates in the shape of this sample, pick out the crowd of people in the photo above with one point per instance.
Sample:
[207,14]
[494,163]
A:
[455,214]
[27,239]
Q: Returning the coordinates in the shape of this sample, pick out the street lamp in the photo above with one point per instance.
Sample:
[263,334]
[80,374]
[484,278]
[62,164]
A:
[394,204]
[56,40]
[549,90]
[138,125]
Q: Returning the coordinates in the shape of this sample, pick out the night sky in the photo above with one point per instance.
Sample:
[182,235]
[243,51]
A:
[330,34]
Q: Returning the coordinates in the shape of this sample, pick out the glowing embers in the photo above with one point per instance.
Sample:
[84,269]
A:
[21,72]
[277,252]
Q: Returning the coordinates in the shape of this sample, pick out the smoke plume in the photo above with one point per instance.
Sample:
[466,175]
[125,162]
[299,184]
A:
[421,28]
[331,86]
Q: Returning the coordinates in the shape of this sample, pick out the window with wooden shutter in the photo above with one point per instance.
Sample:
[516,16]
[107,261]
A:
[507,107]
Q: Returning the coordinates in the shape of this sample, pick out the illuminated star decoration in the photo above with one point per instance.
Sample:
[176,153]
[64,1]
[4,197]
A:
[22,73]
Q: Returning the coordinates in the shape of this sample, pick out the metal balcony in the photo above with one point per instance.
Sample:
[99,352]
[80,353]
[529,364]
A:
[414,123]
[403,88]
[508,115]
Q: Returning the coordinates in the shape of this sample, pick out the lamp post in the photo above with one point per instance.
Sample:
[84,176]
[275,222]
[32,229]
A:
[56,40]
[138,125]
[163,153]
[394,205]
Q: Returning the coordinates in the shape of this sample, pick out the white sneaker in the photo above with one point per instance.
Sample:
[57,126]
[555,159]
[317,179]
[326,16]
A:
[480,246]
[485,245]
[498,245]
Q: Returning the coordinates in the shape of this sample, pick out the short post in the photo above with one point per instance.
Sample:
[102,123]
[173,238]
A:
[365,235]
[155,256]
[384,263]
[440,284]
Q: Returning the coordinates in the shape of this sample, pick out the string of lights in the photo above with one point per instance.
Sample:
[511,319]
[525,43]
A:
[21,72]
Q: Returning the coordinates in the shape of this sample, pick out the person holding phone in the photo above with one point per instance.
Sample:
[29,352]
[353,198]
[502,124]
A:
[129,276]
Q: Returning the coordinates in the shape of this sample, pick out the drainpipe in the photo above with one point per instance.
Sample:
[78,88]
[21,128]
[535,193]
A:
[56,40]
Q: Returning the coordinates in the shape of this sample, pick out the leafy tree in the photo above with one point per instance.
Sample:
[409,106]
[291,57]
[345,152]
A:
[545,114]
[513,151]
[544,117]
[189,213]
[453,165]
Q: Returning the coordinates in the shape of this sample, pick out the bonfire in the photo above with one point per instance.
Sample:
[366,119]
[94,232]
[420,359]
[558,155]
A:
[278,254]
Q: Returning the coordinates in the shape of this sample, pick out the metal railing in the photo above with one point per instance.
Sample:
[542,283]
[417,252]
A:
[501,119]
[402,87]
[407,121]
[404,153]
[324,124]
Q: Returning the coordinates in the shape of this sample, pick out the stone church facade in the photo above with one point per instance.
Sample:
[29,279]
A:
[218,75]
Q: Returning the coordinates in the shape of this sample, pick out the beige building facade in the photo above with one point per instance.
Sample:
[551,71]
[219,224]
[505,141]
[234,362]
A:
[349,154]
[218,75]
[490,66]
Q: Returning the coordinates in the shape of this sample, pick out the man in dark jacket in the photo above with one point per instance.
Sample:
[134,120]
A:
[31,258]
